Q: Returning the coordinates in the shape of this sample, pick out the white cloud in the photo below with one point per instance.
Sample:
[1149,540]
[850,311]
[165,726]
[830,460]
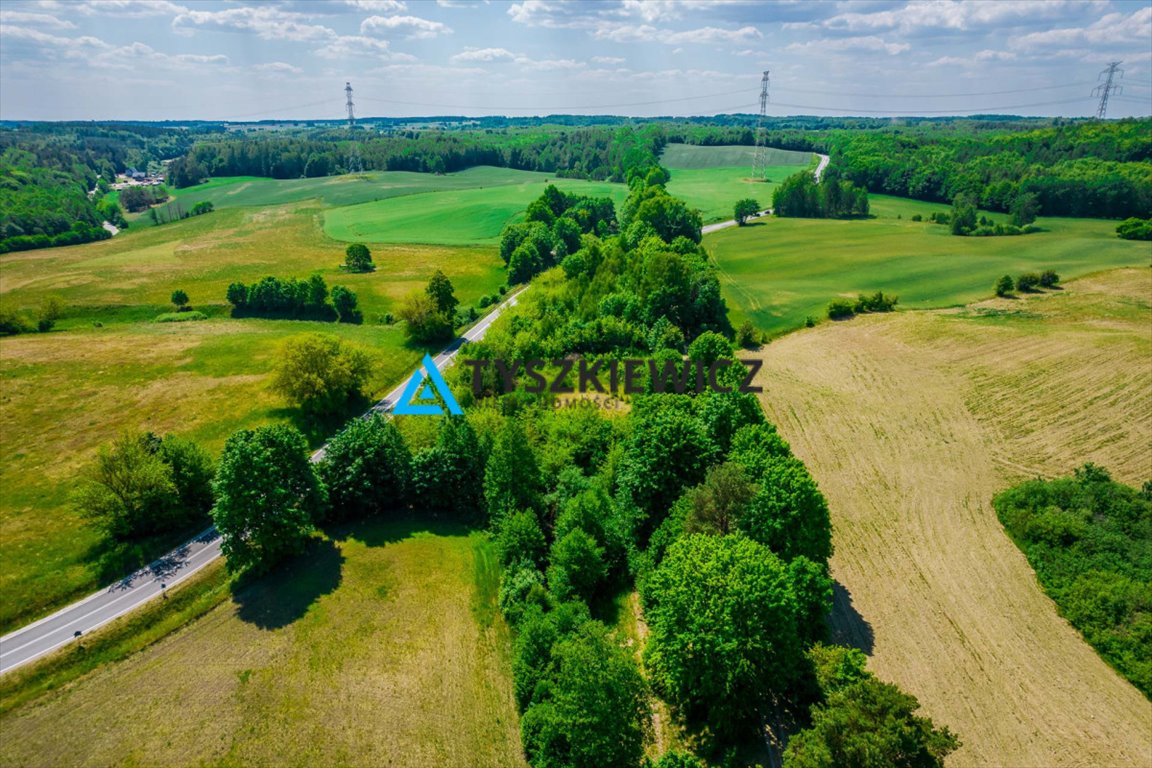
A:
[842,44]
[413,26]
[1113,29]
[43,19]
[377,6]
[266,21]
[484,54]
[53,45]
[714,35]
[608,60]
[130,8]
[940,14]
[279,68]
[345,46]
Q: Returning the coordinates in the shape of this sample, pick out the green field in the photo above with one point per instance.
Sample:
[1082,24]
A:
[239,191]
[108,367]
[455,217]
[776,272]
[383,645]
[712,179]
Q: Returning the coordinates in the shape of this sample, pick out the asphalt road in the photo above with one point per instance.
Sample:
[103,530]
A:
[824,159]
[68,625]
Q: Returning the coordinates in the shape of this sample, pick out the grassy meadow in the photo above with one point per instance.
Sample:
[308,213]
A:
[712,179]
[108,366]
[453,217]
[776,272]
[383,645]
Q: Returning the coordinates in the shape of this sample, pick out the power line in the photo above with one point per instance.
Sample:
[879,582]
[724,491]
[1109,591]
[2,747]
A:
[937,95]
[969,110]
[563,107]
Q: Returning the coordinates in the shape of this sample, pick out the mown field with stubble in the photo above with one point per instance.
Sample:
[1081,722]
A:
[911,422]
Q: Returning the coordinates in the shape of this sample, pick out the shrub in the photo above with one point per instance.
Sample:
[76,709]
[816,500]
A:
[747,336]
[577,568]
[1004,285]
[1135,229]
[1049,279]
[180,317]
[841,309]
[1027,282]
[877,302]
[520,541]
[180,299]
[319,373]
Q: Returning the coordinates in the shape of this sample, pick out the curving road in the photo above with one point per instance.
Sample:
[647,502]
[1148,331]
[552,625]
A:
[68,624]
[824,160]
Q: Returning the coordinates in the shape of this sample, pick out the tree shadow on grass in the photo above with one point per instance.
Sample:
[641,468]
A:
[115,560]
[277,599]
[393,527]
[317,429]
[847,626]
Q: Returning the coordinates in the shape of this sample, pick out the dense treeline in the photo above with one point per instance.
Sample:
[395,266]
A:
[586,153]
[48,169]
[294,299]
[1090,541]
[1077,168]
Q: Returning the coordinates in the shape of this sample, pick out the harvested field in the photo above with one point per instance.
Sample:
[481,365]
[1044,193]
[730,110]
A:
[911,422]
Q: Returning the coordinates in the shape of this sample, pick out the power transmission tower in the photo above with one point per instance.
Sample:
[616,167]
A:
[355,163]
[759,162]
[1108,88]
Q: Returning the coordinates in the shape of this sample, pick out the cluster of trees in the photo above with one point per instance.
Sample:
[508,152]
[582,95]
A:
[13,321]
[142,485]
[1090,541]
[963,219]
[294,299]
[140,198]
[1135,229]
[552,229]
[430,315]
[601,152]
[842,309]
[800,195]
[1027,282]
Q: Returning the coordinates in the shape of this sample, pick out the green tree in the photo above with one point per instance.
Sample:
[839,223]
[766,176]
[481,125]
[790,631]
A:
[357,258]
[192,473]
[520,541]
[1027,282]
[722,615]
[462,478]
[366,468]
[346,305]
[963,218]
[440,290]
[721,500]
[267,497]
[512,476]
[129,490]
[709,347]
[1004,285]
[320,373]
[50,310]
[577,568]
[1025,208]
[788,514]
[595,712]
[180,299]
[424,322]
[1049,279]
[869,724]
[744,210]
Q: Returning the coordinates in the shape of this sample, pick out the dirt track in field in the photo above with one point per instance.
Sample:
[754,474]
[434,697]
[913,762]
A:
[911,423]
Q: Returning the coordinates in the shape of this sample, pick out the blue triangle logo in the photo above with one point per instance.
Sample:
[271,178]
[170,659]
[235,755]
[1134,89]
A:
[433,383]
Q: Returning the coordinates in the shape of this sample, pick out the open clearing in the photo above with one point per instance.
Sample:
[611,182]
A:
[64,394]
[776,272]
[382,647]
[910,423]
[455,217]
[712,179]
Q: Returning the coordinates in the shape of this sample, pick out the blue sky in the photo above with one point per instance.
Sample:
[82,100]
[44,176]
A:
[237,60]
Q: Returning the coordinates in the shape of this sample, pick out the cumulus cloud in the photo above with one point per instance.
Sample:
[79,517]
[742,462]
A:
[412,26]
[849,44]
[265,21]
[939,14]
[41,19]
[484,54]
[377,6]
[1112,29]
[279,68]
